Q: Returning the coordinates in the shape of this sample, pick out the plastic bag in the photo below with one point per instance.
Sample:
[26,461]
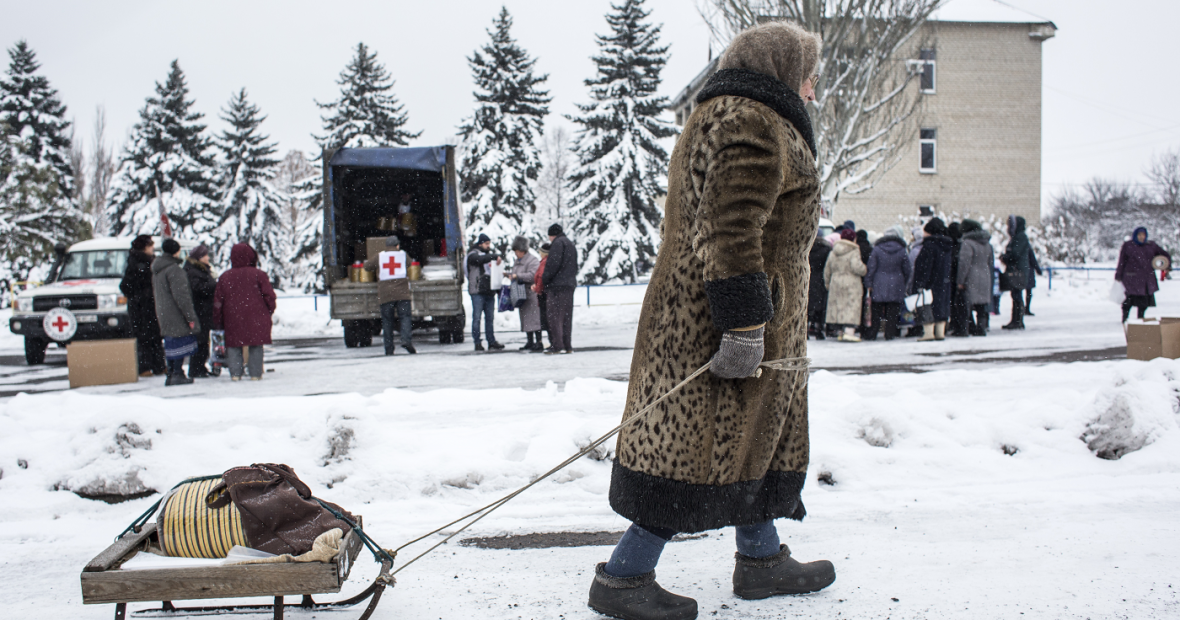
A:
[1117,293]
[506,299]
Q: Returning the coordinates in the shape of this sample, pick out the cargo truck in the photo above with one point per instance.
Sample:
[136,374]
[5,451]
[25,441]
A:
[372,193]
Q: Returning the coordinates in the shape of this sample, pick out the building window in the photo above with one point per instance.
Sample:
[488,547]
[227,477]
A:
[926,210]
[927,143]
[926,65]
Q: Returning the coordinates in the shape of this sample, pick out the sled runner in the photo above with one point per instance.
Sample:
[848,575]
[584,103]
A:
[105,580]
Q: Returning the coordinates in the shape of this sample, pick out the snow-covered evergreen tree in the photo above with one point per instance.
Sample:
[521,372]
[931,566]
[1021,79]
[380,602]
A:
[501,158]
[367,113]
[30,108]
[614,216]
[251,208]
[35,212]
[169,153]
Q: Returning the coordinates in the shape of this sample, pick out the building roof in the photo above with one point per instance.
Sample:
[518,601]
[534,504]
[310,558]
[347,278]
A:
[985,11]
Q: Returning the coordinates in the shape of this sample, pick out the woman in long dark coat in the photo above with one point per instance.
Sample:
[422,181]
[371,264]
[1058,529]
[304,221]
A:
[242,305]
[141,306]
[1016,266]
[817,293]
[730,448]
[203,285]
[932,271]
[1134,270]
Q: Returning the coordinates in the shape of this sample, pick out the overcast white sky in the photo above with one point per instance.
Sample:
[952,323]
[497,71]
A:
[1109,86]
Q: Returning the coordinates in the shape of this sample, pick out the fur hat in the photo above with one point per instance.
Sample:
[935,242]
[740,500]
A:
[170,246]
[782,50]
[970,226]
[556,231]
[520,244]
[935,226]
[198,252]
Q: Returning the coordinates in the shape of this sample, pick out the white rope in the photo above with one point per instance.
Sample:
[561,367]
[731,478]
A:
[784,364]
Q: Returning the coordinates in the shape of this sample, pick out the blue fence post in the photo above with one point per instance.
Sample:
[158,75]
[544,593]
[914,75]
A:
[587,295]
[1050,278]
[315,299]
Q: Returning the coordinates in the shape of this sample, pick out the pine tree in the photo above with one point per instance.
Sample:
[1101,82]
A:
[367,113]
[251,209]
[613,211]
[168,153]
[35,212]
[501,159]
[30,108]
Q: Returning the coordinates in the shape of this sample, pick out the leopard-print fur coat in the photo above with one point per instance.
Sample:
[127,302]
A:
[740,216]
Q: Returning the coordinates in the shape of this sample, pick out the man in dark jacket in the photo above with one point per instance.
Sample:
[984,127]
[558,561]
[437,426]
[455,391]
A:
[393,294]
[483,298]
[141,306]
[1016,266]
[202,284]
[560,279]
[817,293]
[174,309]
[932,271]
[885,283]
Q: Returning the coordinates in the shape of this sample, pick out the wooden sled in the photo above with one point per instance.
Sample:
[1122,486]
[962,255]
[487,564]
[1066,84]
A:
[103,582]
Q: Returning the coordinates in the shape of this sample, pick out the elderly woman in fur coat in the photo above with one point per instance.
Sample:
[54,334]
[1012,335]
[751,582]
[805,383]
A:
[730,287]
[843,275]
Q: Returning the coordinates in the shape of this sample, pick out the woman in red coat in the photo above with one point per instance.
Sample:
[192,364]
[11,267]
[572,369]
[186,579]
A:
[242,305]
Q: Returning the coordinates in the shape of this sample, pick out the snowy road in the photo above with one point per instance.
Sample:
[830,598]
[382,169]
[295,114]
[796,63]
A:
[960,488]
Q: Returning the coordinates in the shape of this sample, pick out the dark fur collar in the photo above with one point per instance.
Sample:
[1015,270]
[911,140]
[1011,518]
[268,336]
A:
[765,90]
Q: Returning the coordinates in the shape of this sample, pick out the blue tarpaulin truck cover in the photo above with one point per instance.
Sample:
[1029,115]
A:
[432,159]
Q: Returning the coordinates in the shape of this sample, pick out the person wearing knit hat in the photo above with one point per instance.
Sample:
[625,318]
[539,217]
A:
[483,298]
[174,307]
[141,306]
[889,272]
[932,271]
[559,281]
[729,290]
[203,284]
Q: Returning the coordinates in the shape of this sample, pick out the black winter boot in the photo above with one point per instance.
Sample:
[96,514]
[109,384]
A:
[637,598]
[758,578]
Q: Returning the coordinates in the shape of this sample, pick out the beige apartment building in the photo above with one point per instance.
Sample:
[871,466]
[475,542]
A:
[977,149]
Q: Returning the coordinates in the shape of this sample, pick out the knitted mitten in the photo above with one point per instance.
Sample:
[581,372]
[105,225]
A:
[739,355]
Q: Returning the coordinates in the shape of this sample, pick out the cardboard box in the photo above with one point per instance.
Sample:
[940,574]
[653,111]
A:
[374,246]
[1152,338]
[102,362]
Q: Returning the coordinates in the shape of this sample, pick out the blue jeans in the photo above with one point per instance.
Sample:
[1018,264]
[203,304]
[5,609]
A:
[484,304]
[639,549]
[389,311]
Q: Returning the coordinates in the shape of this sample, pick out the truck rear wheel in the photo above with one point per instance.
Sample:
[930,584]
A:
[35,351]
[444,334]
[458,328]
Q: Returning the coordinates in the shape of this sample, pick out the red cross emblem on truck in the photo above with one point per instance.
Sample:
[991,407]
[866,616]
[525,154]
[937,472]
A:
[60,324]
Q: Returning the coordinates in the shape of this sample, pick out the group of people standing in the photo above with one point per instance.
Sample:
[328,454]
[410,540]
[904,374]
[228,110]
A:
[858,289]
[174,302]
[550,280]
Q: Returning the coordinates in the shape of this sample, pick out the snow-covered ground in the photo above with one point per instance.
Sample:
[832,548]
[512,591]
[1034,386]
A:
[964,489]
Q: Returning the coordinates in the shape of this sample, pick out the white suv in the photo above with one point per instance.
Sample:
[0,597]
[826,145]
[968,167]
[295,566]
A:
[82,302]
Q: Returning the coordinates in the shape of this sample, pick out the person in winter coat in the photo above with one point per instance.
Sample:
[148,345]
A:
[932,271]
[866,248]
[915,249]
[817,293]
[393,297]
[959,325]
[560,280]
[1016,266]
[1034,270]
[888,273]
[1134,270]
[524,270]
[174,309]
[974,277]
[729,285]
[141,306]
[542,298]
[483,298]
[202,284]
[242,305]
[843,275]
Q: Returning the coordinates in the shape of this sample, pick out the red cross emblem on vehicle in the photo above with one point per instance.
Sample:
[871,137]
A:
[60,324]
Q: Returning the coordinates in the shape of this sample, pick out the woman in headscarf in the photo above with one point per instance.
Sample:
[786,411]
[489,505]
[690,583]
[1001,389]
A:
[1136,273]
[843,275]
[729,289]
[1016,266]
